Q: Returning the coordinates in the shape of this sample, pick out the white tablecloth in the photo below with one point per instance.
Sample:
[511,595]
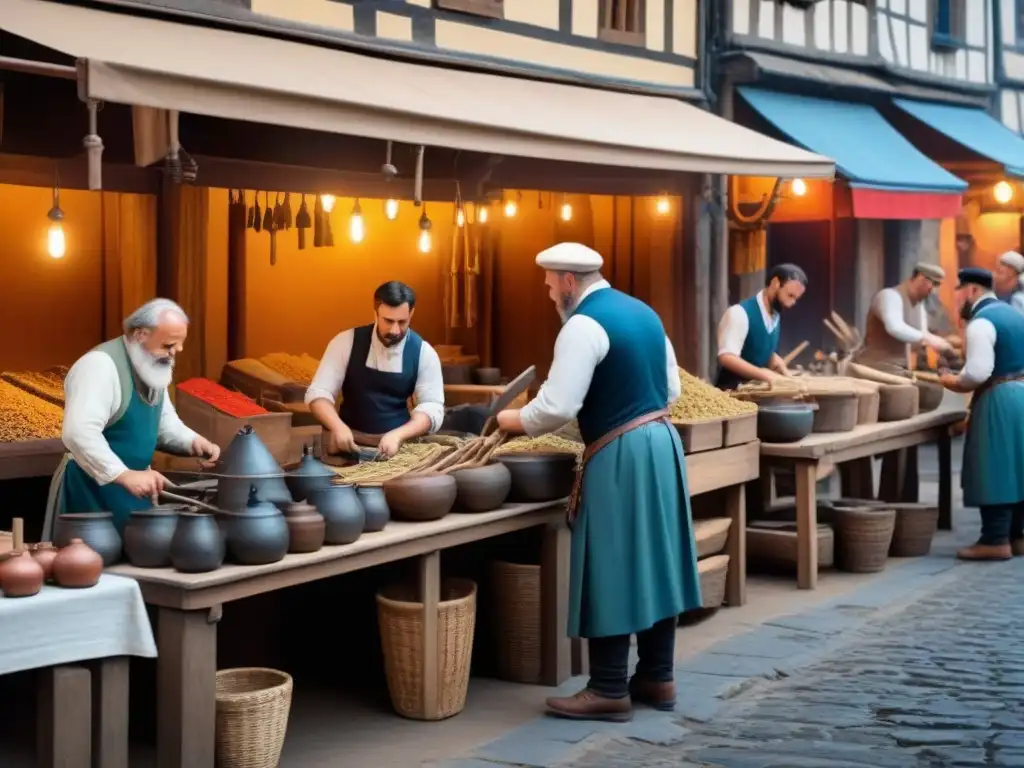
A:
[62,626]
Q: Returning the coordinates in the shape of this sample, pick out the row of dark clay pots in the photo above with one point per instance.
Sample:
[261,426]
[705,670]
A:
[75,566]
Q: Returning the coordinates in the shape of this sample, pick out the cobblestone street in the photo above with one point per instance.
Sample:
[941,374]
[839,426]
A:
[938,683]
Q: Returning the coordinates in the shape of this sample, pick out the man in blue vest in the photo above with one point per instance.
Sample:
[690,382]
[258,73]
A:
[748,334]
[117,413]
[992,479]
[1008,276]
[634,562]
[376,369]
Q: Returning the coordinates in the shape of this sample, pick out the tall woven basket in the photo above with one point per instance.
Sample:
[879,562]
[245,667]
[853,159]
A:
[915,528]
[863,536]
[517,619]
[252,716]
[400,617]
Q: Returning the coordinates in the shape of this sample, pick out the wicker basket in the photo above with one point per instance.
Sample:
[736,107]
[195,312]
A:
[914,530]
[252,716]
[863,536]
[711,535]
[897,402]
[400,616]
[774,543]
[713,572]
[517,619]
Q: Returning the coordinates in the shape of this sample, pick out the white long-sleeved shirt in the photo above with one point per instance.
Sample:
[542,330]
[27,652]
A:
[581,345]
[888,305]
[980,347]
[735,325]
[92,398]
[330,376]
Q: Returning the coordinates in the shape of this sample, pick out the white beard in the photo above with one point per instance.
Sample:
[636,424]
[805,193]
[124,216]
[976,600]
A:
[156,376]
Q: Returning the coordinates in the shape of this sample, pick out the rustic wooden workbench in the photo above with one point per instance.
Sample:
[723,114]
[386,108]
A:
[190,605]
[817,455]
[30,458]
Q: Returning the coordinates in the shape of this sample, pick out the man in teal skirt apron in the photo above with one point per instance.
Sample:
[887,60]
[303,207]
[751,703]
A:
[634,561]
[992,476]
[117,414]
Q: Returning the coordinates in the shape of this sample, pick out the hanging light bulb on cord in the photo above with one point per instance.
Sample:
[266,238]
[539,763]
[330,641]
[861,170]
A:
[56,245]
[460,217]
[663,206]
[511,208]
[482,214]
[425,242]
[391,209]
[356,225]
[566,210]
[328,202]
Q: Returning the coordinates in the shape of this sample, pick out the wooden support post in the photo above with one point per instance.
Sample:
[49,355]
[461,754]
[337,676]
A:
[64,727]
[186,688]
[556,658]
[806,524]
[110,712]
[945,482]
[430,595]
[736,546]
[580,657]
[857,477]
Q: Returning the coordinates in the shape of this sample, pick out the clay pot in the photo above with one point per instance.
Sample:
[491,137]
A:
[376,507]
[77,566]
[539,477]
[342,511]
[482,489]
[421,496]
[259,535]
[45,553]
[197,545]
[21,575]
[94,528]
[249,462]
[306,527]
[147,537]
[487,376]
[311,475]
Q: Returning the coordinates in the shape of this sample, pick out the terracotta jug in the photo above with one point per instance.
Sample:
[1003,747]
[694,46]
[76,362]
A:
[20,575]
[45,553]
[77,565]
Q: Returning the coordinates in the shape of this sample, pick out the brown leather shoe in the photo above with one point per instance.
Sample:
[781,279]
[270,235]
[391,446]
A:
[590,705]
[1017,546]
[985,552]
[661,696]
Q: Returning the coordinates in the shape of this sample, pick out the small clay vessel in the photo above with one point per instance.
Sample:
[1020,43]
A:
[197,545]
[44,552]
[21,575]
[375,505]
[259,535]
[94,528]
[306,527]
[77,566]
[482,489]
[147,537]
[342,511]
[311,475]
[421,496]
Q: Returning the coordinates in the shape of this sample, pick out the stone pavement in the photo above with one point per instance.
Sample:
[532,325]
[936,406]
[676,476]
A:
[922,667]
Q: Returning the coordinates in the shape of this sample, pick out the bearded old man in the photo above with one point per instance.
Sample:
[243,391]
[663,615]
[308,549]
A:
[1009,280]
[633,562]
[117,414]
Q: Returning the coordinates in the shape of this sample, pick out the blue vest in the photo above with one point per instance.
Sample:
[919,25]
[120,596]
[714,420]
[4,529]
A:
[375,402]
[632,380]
[758,347]
[1009,324]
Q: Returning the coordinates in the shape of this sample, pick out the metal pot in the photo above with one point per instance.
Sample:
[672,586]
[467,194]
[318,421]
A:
[96,529]
[147,537]
[259,535]
[246,462]
[311,475]
[538,476]
[784,422]
[197,545]
[343,513]
[375,505]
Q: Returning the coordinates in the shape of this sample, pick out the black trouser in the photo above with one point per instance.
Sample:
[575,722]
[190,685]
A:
[1002,523]
[609,658]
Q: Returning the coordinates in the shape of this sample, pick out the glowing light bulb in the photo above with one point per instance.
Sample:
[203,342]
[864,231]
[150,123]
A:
[1002,192]
[356,225]
[460,217]
[511,208]
[424,243]
[55,242]
[391,209]
[482,214]
[328,202]
[663,206]
[566,212]
[799,187]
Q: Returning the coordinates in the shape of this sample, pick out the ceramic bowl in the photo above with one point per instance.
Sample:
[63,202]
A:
[421,496]
[538,476]
[482,489]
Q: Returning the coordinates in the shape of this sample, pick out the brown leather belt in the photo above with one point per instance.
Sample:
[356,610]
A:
[992,383]
[577,487]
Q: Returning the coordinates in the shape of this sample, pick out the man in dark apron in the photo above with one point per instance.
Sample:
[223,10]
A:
[377,369]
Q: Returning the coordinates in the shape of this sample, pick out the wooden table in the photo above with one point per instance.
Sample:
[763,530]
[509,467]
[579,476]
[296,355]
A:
[190,605]
[30,458]
[817,455]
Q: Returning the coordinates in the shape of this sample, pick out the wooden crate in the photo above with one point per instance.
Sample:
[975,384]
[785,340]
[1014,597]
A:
[253,378]
[739,429]
[478,394]
[698,436]
[274,429]
[775,543]
[302,436]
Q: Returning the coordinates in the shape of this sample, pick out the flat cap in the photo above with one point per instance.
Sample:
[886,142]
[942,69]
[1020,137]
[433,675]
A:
[933,272]
[570,257]
[975,276]
[1013,260]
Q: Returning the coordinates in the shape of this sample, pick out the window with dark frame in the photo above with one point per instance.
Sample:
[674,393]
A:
[949,23]
[492,9]
[1020,22]
[622,21]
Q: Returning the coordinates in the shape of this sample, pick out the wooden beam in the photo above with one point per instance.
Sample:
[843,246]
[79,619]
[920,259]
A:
[28,171]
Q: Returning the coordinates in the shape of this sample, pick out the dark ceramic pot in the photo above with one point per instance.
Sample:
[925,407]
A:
[482,489]
[421,496]
[311,475]
[147,537]
[259,535]
[94,528]
[306,528]
[247,462]
[343,513]
[197,545]
[539,477]
[376,507]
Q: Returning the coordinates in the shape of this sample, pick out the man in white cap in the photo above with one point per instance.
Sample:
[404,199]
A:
[1009,276]
[634,562]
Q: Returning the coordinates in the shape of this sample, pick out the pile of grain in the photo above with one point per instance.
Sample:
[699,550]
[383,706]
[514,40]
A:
[410,457]
[298,368]
[27,417]
[544,444]
[49,385]
[700,400]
